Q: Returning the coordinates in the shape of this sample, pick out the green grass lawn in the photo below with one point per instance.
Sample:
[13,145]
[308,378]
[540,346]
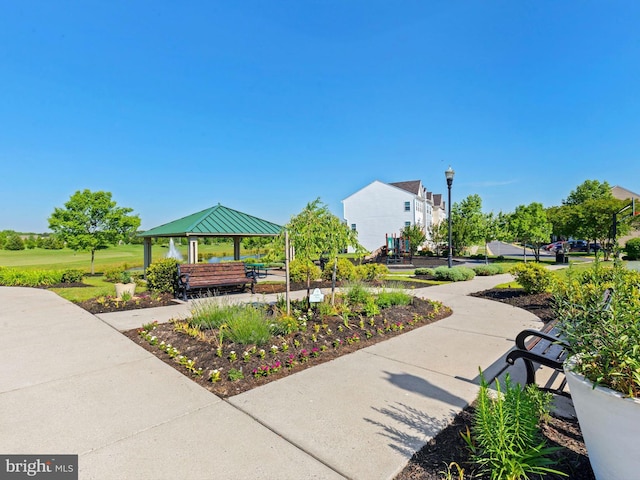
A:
[127,256]
[131,256]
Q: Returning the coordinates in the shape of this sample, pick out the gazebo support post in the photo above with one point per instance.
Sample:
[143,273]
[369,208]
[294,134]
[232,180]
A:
[147,254]
[193,250]
[236,248]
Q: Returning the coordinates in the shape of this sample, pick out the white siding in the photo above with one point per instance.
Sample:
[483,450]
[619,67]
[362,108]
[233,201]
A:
[377,210]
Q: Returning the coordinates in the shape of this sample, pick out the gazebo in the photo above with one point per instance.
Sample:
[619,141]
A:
[218,221]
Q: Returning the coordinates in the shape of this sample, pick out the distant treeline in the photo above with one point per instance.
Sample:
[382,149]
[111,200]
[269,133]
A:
[12,240]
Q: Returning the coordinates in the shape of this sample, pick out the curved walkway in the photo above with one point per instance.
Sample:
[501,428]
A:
[70,383]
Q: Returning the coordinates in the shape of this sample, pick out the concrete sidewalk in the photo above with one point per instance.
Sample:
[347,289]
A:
[71,383]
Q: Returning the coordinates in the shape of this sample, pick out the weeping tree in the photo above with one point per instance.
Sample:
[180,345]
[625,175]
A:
[92,221]
[315,231]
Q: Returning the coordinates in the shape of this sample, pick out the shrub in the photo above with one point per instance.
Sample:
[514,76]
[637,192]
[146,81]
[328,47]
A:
[345,270]
[632,248]
[488,270]
[357,294]
[71,276]
[162,276]
[604,340]
[211,314]
[387,299]
[370,272]
[113,274]
[248,326]
[14,242]
[50,242]
[298,270]
[454,274]
[424,271]
[284,325]
[533,277]
[370,307]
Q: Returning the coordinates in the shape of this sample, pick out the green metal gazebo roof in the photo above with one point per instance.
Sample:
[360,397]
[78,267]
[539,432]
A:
[215,221]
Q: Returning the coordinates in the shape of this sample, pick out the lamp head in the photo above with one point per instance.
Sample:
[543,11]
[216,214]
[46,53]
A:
[449,173]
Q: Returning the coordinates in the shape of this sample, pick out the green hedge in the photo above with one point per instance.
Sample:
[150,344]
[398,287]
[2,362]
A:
[424,271]
[454,274]
[13,277]
[488,270]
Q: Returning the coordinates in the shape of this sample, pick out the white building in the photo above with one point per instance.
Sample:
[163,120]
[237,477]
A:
[384,209]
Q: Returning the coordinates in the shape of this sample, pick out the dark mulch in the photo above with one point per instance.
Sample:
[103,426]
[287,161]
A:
[146,300]
[325,338]
[112,304]
[432,460]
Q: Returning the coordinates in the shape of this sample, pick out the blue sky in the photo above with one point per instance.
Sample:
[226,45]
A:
[264,106]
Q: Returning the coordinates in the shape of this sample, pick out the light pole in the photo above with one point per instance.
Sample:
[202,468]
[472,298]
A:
[449,173]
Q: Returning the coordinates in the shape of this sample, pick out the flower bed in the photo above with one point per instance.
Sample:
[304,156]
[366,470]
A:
[227,368]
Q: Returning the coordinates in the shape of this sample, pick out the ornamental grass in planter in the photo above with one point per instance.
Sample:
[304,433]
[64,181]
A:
[603,370]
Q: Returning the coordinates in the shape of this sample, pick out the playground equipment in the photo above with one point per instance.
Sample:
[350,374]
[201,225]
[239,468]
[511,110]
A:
[397,248]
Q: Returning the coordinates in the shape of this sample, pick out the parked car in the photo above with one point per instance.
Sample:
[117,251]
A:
[579,245]
[592,247]
[555,246]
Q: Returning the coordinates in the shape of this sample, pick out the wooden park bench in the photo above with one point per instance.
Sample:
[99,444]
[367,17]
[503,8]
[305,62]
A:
[199,276]
[546,347]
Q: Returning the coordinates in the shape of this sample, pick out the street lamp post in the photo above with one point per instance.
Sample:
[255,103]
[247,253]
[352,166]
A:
[449,173]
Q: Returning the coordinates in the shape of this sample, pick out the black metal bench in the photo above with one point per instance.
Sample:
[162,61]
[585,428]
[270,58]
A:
[546,347]
[197,276]
[541,347]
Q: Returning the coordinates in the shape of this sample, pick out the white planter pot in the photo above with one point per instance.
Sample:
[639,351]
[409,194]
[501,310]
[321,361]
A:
[610,425]
[122,288]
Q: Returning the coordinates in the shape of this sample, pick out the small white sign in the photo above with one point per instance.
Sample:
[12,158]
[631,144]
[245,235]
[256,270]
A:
[316,296]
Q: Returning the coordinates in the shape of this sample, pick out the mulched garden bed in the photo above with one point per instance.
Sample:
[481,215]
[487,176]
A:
[432,460]
[324,339]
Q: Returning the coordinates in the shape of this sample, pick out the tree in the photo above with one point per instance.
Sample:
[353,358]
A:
[564,221]
[530,225]
[438,233]
[589,190]
[494,228]
[316,231]
[467,223]
[594,220]
[257,245]
[14,242]
[416,237]
[91,221]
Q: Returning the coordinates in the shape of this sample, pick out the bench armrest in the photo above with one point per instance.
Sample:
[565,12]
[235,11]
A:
[522,337]
[183,279]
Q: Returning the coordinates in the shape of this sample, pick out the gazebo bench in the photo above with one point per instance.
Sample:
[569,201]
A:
[198,276]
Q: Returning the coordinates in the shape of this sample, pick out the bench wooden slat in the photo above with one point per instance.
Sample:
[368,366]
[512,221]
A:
[211,275]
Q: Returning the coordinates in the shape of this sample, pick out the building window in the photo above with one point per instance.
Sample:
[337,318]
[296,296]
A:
[407,224]
[407,206]
[353,227]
